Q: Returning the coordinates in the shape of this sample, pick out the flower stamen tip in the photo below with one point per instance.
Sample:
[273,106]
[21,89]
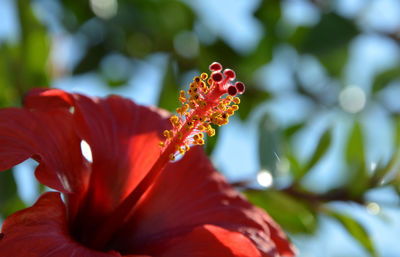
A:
[209,100]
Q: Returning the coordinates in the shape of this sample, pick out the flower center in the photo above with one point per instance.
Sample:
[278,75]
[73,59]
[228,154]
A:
[208,101]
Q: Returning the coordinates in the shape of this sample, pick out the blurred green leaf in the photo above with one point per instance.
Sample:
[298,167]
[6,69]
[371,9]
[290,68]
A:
[292,214]
[269,12]
[356,230]
[7,186]
[75,13]
[355,145]
[251,98]
[397,134]
[9,199]
[291,130]
[8,92]
[384,78]
[169,92]
[332,32]
[355,157]
[34,51]
[295,165]
[328,40]
[298,170]
[268,144]
[91,60]
[335,60]
[218,52]
[211,141]
[322,148]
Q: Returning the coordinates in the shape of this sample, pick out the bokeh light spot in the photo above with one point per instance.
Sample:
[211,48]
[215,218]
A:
[352,99]
[264,178]
[186,44]
[373,208]
[104,9]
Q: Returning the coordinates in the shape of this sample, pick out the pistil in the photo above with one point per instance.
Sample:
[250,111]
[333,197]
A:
[208,101]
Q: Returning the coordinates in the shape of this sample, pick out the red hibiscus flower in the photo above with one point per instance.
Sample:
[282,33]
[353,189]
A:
[131,199]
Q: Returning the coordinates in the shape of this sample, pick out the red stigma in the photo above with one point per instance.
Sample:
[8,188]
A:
[232,90]
[230,74]
[215,66]
[240,87]
[217,77]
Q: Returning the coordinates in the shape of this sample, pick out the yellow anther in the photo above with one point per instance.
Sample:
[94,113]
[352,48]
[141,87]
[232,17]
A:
[174,119]
[192,104]
[182,99]
[182,93]
[222,106]
[200,141]
[161,144]
[195,117]
[229,98]
[230,111]
[171,134]
[187,147]
[235,107]
[196,137]
[202,103]
[181,150]
[236,100]
[201,135]
[201,128]
[215,114]
[179,134]
[179,111]
[172,157]
[189,125]
[196,79]
[185,108]
[211,132]
[166,133]
[204,76]
[192,85]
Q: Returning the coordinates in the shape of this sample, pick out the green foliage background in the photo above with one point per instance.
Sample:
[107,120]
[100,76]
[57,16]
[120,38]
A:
[141,28]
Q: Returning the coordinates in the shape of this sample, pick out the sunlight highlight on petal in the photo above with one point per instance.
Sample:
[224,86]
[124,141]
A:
[86,151]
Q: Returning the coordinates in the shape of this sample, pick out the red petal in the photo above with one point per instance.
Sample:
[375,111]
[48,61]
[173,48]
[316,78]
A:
[47,99]
[124,142]
[189,193]
[123,138]
[209,240]
[41,231]
[48,137]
